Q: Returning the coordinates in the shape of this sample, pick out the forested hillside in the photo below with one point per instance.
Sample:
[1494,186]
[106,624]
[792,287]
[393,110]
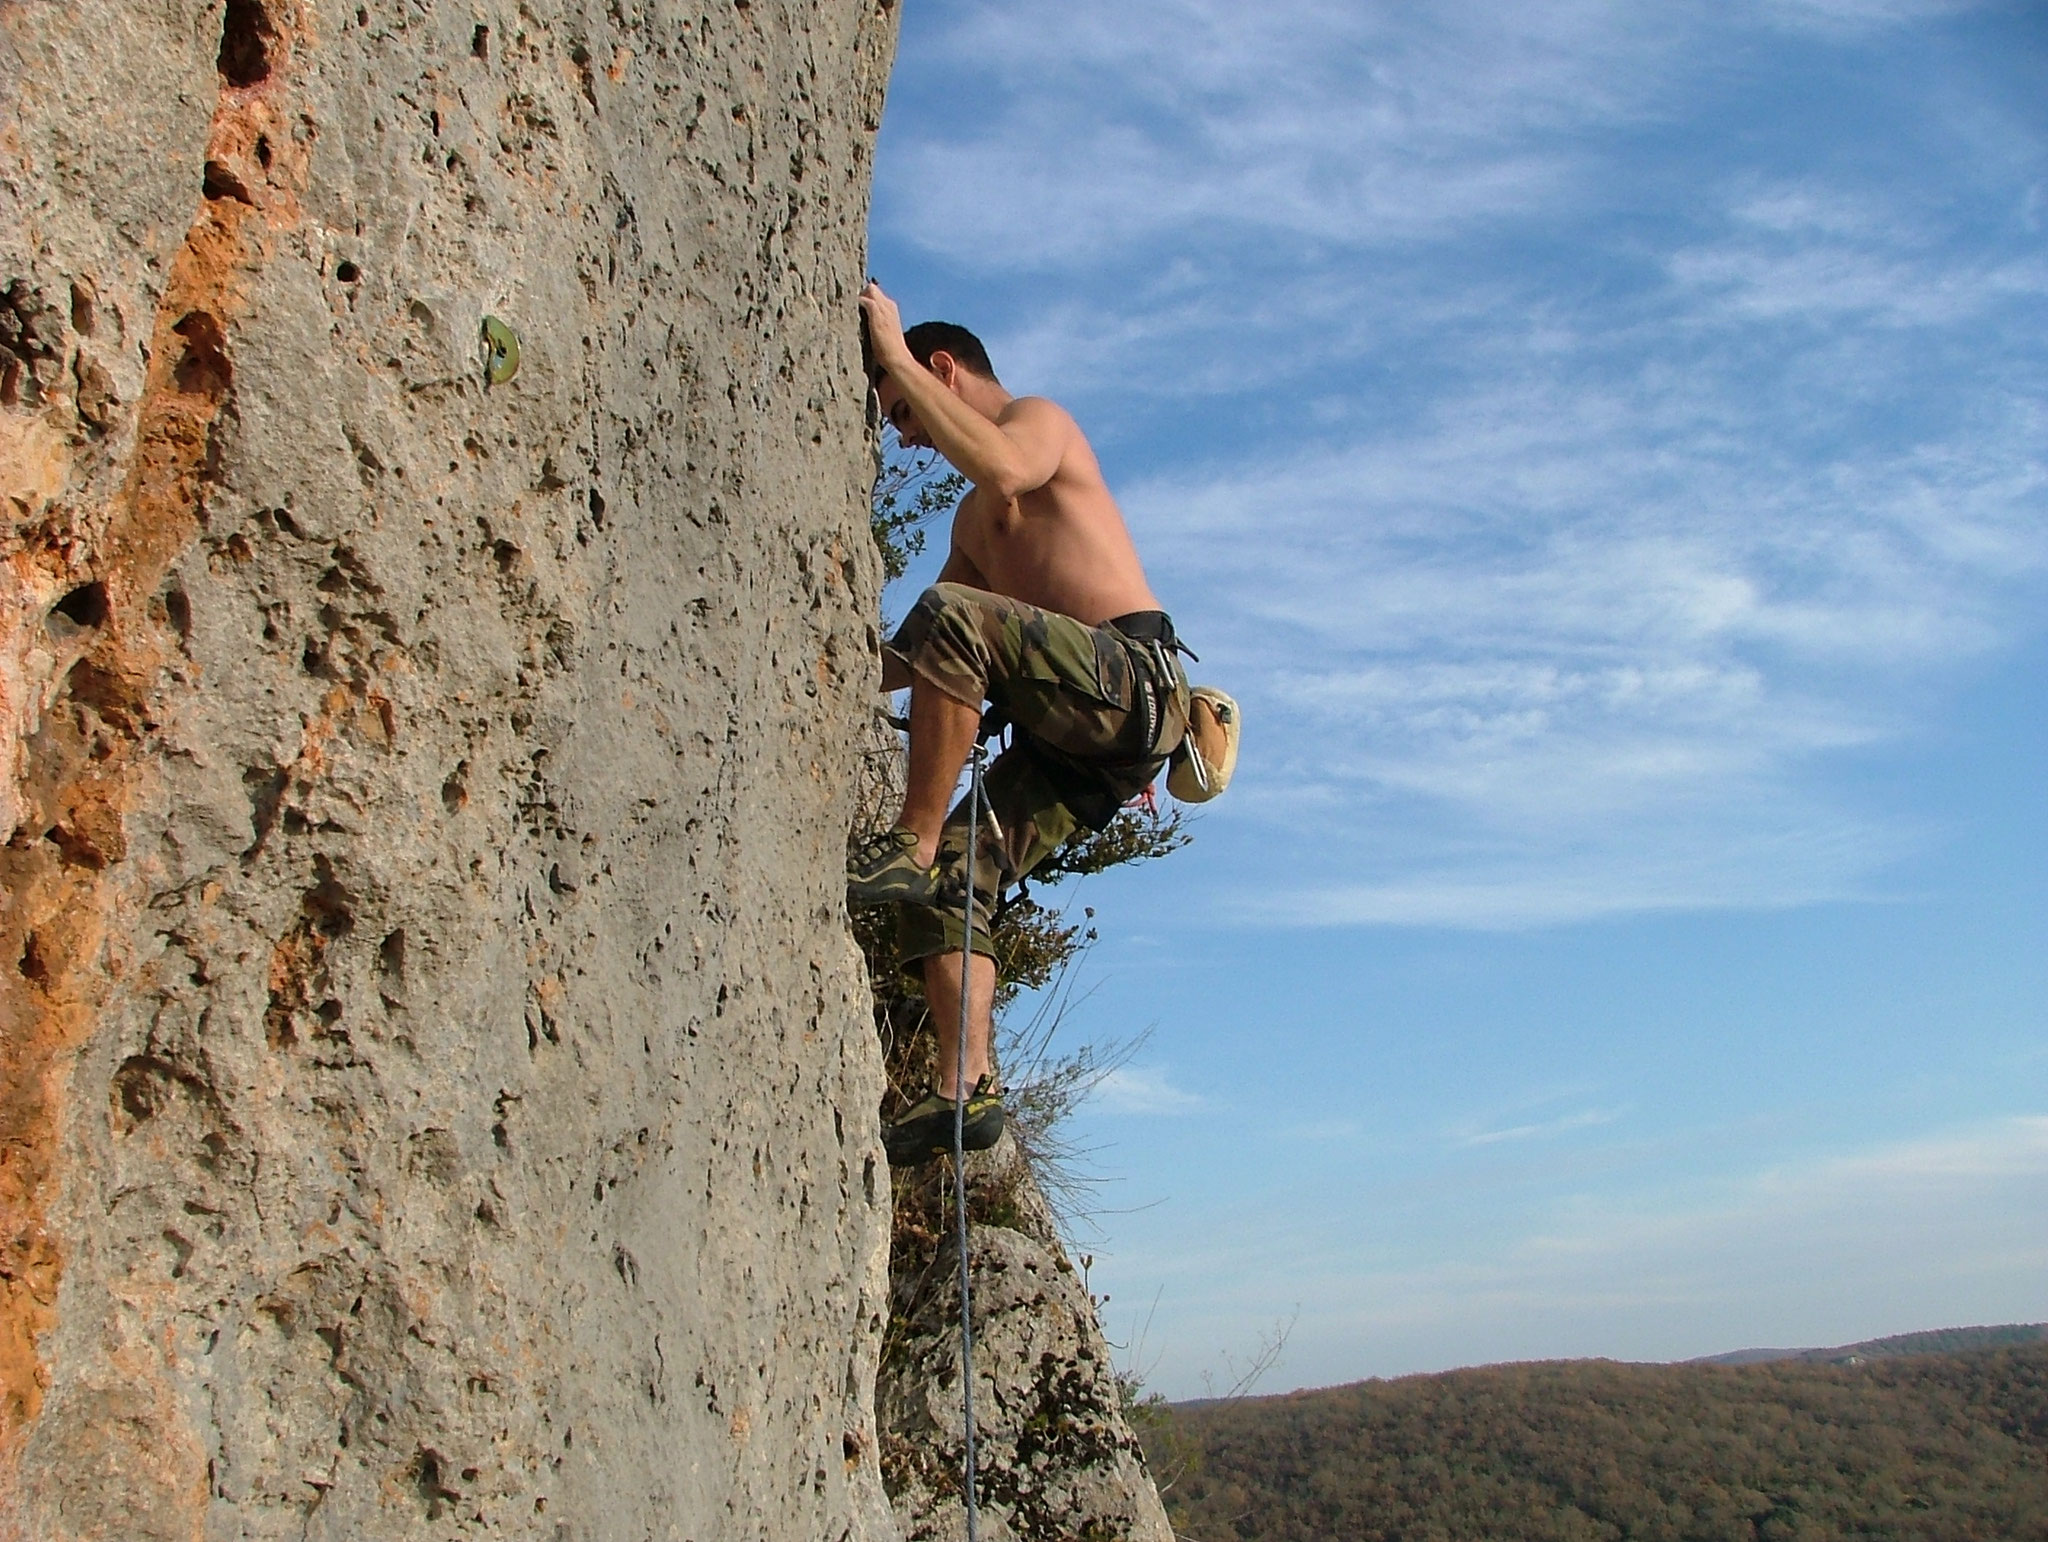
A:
[1923,1447]
[1937,1341]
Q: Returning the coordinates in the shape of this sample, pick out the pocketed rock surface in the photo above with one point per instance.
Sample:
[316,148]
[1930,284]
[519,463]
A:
[437,1095]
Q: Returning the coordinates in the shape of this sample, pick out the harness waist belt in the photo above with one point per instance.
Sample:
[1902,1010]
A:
[1145,626]
[1157,678]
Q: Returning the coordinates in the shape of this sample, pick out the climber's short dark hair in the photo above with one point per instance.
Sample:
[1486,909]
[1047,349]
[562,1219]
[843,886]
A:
[930,337]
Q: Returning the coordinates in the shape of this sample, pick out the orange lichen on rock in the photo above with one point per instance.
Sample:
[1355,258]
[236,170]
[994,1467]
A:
[83,646]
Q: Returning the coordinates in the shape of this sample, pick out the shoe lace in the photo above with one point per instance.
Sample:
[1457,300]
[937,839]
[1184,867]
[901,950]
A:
[875,847]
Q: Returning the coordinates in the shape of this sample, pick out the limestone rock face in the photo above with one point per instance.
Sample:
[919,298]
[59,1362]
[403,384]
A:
[436,1087]
[1058,1461]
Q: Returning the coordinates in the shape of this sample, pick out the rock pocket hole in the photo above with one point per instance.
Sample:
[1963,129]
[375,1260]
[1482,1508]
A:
[32,965]
[434,1492]
[76,847]
[84,313]
[347,272]
[103,691]
[178,610]
[84,609]
[220,184]
[327,904]
[266,786]
[204,370]
[480,43]
[246,35]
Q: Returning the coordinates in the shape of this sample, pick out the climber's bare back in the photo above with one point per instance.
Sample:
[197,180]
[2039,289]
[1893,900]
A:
[1061,545]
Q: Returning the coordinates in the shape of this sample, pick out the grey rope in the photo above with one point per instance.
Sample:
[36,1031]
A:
[974,797]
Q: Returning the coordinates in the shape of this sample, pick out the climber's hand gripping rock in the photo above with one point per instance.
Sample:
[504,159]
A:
[885,330]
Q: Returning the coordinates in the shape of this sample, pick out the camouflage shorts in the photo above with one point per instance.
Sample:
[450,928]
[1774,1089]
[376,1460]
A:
[1084,745]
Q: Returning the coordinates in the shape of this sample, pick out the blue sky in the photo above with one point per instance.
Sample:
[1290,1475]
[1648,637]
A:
[1605,449]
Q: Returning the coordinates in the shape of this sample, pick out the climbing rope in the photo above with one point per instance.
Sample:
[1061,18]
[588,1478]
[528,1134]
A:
[963,1092]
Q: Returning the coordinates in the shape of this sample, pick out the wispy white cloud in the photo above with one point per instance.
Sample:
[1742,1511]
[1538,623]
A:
[1851,18]
[2005,1148]
[1635,875]
[1144,1090]
[1806,251]
[1170,127]
[1103,128]
[1601,664]
[1542,1129]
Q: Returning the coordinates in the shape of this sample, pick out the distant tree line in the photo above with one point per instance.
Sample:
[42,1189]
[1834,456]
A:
[1932,1448]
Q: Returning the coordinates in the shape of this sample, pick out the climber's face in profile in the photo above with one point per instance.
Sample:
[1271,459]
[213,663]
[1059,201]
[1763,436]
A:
[944,368]
[897,409]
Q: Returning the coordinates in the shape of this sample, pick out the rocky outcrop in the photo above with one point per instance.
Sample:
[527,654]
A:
[1056,1456]
[435,1083]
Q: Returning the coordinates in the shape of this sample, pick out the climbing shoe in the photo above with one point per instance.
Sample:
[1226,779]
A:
[926,1129]
[885,868]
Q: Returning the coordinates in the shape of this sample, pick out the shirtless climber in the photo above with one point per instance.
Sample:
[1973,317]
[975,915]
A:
[1041,609]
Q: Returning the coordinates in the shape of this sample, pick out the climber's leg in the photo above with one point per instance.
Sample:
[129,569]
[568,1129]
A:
[1028,822]
[925,1129]
[1067,685]
[942,997]
[902,863]
[942,731]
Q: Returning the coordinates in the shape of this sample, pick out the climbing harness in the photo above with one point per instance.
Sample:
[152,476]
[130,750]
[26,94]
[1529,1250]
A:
[975,798]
